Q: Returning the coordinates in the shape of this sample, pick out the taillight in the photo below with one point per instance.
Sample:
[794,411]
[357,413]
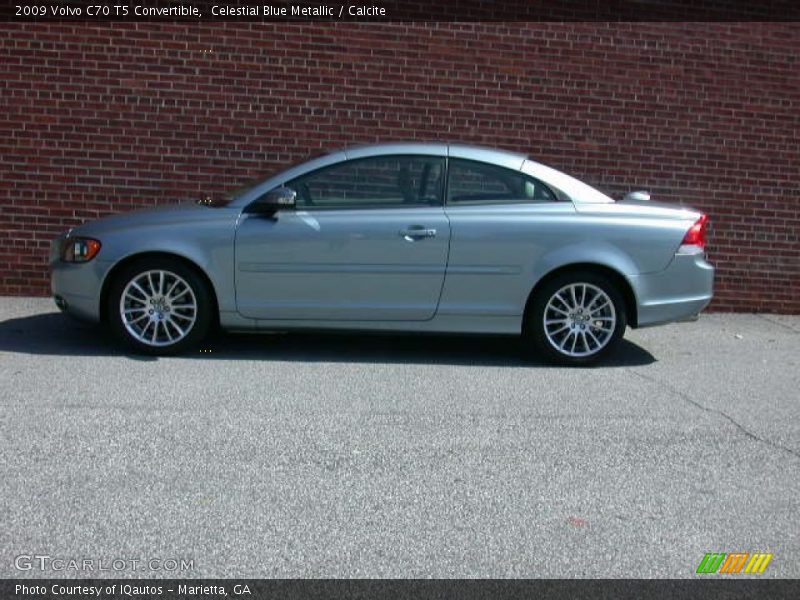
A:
[696,236]
[79,249]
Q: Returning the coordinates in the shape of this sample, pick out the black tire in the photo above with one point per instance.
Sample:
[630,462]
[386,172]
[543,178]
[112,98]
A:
[194,333]
[535,336]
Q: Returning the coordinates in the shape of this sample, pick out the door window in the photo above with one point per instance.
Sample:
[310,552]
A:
[378,182]
[471,182]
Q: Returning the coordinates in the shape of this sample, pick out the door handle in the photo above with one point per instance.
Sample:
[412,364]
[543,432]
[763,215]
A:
[416,232]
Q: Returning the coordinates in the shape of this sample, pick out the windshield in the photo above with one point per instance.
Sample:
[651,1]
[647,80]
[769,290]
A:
[249,185]
[252,183]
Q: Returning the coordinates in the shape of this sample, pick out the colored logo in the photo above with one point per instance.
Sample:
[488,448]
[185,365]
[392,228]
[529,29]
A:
[741,562]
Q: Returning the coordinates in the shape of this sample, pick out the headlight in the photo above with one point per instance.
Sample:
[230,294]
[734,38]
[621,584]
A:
[79,250]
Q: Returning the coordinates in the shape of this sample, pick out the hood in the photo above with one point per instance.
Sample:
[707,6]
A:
[184,213]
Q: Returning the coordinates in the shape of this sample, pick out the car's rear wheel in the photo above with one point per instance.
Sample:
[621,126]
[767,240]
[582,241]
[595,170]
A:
[576,318]
[159,306]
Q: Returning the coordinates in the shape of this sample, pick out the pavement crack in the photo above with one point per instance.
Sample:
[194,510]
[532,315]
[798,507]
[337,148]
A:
[689,400]
[778,323]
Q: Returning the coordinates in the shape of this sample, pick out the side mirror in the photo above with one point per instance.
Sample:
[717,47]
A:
[278,199]
[639,196]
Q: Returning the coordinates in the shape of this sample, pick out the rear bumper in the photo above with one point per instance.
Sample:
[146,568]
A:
[677,293]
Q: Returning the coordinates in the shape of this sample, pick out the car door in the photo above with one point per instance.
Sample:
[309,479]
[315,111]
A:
[367,241]
[502,221]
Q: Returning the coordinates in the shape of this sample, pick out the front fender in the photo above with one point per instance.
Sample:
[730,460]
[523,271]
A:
[207,243]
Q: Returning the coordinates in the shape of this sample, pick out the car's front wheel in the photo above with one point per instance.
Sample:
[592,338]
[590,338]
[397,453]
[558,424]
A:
[576,318]
[159,306]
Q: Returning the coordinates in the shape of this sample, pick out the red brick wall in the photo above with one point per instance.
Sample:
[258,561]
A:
[98,119]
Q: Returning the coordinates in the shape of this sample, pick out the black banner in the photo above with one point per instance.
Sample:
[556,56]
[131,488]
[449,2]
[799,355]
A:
[738,587]
[401,10]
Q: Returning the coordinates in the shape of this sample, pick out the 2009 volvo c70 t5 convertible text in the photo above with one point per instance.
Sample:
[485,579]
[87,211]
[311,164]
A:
[401,237]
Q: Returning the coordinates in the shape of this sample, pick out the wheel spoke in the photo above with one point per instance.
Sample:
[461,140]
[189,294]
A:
[172,287]
[181,332]
[173,298]
[566,339]
[603,320]
[589,305]
[180,316]
[558,310]
[587,346]
[554,321]
[566,304]
[144,294]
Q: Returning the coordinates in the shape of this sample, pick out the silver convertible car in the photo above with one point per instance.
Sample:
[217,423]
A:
[422,237]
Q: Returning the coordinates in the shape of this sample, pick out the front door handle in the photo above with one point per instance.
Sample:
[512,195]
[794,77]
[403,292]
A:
[417,232]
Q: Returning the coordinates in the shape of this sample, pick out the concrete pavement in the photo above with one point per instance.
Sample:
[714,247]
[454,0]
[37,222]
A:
[391,456]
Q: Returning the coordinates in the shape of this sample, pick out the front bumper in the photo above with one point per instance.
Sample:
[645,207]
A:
[677,293]
[76,287]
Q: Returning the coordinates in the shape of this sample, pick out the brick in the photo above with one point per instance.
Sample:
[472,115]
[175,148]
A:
[108,117]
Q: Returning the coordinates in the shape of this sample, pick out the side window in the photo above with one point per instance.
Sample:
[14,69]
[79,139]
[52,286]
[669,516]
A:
[471,182]
[382,181]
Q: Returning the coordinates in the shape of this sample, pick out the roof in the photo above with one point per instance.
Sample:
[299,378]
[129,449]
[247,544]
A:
[455,150]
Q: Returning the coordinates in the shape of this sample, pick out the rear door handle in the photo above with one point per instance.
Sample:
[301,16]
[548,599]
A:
[416,232]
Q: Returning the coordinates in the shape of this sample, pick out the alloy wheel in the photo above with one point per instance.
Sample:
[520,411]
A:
[158,308]
[579,320]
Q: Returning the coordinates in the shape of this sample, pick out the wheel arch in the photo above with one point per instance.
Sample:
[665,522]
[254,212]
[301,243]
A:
[619,280]
[114,272]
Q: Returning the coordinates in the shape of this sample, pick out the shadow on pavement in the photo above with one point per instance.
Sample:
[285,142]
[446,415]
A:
[58,335]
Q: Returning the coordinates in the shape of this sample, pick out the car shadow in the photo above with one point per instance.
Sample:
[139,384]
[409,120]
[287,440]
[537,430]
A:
[58,335]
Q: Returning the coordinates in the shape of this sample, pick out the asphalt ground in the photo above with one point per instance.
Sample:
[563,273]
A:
[397,456]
